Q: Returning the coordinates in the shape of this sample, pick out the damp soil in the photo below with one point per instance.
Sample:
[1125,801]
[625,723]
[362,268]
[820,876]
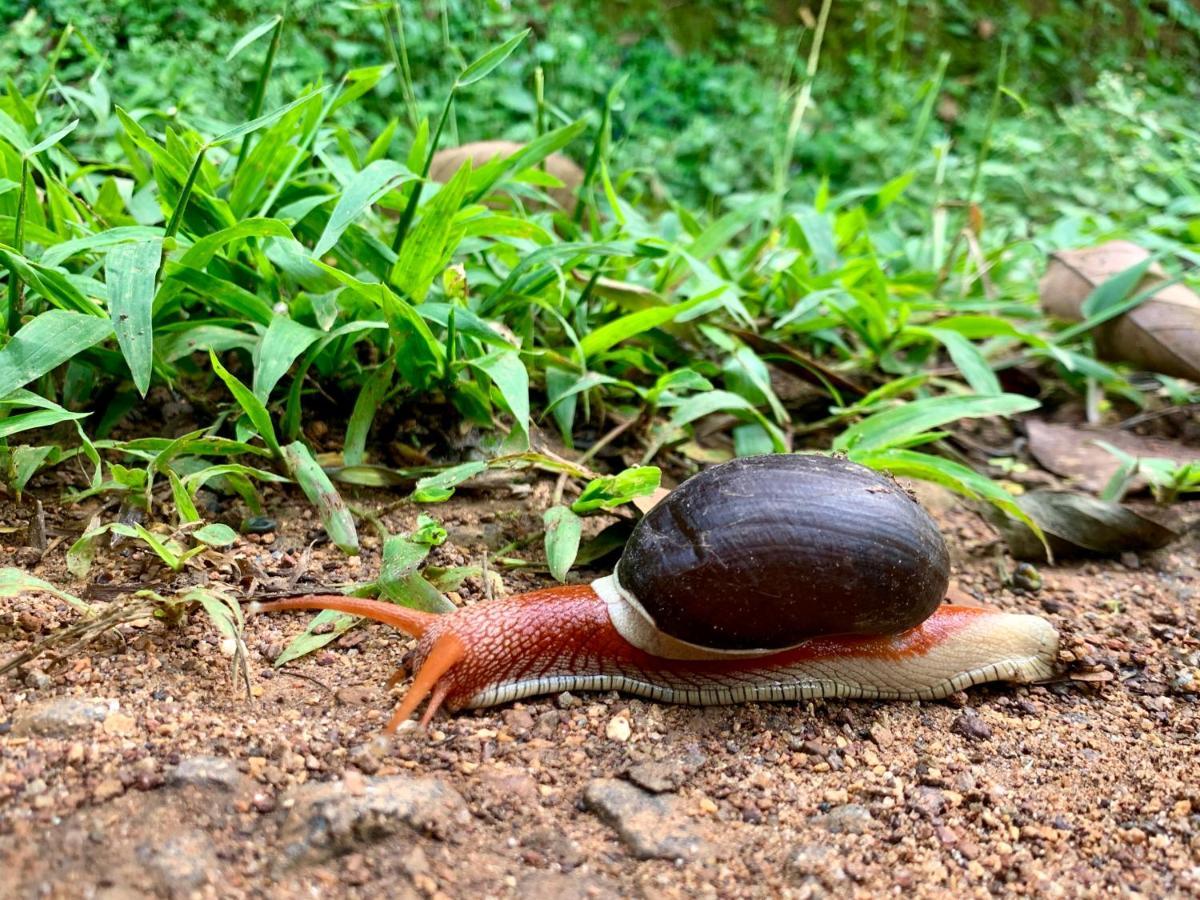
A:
[138,766]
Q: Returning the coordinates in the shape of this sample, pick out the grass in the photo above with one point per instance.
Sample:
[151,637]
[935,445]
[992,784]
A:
[300,263]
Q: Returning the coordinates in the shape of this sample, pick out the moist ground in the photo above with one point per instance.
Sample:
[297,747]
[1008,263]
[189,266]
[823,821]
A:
[163,778]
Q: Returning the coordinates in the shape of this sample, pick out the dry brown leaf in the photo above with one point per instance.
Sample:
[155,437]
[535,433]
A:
[1071,451]
[1160,335]
[447,162]
[1079,525]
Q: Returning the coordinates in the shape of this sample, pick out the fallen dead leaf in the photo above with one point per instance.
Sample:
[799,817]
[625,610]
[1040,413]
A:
[1077,524]
[1072,451]
[1162,334]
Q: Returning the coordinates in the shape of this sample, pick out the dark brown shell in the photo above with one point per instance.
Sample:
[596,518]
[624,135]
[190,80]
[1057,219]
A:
[766,551]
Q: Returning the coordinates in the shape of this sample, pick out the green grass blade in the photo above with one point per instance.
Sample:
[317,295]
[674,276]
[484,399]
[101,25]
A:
[484,65]
[336,518]
[250,404]
[45,342]
[364,189]
[902,423]
[563,530]
[129,272]
[284,341]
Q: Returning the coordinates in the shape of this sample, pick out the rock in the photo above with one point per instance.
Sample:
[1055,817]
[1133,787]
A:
[618,729]
[815,866]
[61,717]
[657,777]
[205,772]
[181,861]
[928,801]
[558,846]
[326,820]
[518,720]
[970,726]
[119,724]
[849,818]
[652,827]
[107,788]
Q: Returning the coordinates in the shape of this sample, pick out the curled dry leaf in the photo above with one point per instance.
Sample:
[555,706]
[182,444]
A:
[1162,334]
[447,162]
[1072,451]
[1078,525]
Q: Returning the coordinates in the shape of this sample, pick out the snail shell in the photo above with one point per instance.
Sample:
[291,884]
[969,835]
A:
[762,553]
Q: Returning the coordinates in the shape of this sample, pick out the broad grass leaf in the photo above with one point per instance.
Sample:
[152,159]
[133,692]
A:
[254,409]
[15,582]
[633,324]
[266,119]
[45,342]
[251,36]
[483,66]
[101,240]
[422,358]
[200,254]
[310,640]
[967,357]
[42,418]
[506,371]
[50,140]
[51,283]
[233,299]
[363,190]
[440,487]
[370,396]
[699,405]
[215,534]
[563,530]
[129,272]
[283,342]
[610,491]
[338,522]
[428,247]
[903,423]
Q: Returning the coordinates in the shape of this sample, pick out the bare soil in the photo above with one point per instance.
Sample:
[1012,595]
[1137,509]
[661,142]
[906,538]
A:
[175,784]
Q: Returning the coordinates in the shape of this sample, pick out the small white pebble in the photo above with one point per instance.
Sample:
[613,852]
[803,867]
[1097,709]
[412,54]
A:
[618,729]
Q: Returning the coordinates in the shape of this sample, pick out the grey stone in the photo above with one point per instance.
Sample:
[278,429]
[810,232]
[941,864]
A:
[205,772]
[928,801]
[327,819]
[849,818]
[653,827]
[181,862]
[816,868]
[658,777]
[61,717]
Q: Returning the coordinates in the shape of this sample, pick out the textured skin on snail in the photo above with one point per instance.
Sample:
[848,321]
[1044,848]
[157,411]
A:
[779,578]
[767,551]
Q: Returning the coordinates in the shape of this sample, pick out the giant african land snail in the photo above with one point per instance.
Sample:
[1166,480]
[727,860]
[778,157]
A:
[766,578]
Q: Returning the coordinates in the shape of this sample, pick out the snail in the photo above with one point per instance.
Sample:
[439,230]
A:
[779,577]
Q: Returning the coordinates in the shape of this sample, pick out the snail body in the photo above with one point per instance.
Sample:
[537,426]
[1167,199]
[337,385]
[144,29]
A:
[767,578]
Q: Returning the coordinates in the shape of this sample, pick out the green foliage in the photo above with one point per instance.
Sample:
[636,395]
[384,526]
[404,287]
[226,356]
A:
[159,229]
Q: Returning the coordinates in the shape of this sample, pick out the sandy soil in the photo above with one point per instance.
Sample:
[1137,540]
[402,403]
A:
[166,780]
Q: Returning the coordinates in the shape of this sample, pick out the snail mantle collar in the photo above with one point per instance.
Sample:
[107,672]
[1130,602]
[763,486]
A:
[633,623]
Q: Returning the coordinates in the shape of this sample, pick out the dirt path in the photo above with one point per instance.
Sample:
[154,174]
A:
[137,767]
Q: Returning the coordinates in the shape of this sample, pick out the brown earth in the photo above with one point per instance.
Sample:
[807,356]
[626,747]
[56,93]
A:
[165,780]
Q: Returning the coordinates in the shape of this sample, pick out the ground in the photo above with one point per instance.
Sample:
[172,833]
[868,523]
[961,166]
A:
[137,766]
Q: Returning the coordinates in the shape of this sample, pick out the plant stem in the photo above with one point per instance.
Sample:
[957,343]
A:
[260,89]
[14,280]
[993,112]
[784,163]
[414,199]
